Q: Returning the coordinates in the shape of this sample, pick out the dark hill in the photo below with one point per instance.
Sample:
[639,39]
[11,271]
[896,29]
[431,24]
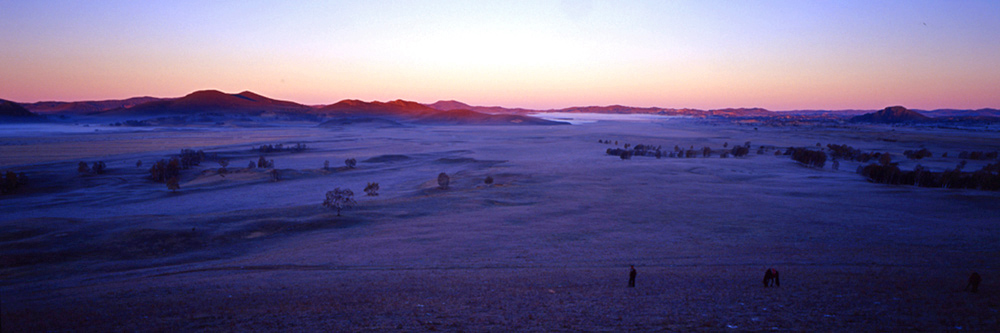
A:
[212,102]
[449,105]
[397,110]
[890,115]
[412,112]
[13,112]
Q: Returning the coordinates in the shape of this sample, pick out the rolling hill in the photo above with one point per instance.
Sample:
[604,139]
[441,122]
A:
[212,102]
[891,115]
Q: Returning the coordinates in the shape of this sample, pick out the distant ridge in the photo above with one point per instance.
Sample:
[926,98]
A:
[83,107]
[891,115]
[216,106]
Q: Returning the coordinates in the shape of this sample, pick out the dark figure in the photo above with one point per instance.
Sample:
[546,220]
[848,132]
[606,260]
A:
[974,280]
[769,275]
[631,277]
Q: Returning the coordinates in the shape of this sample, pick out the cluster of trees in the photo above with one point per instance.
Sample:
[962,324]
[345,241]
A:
[10,181]
[164,170]
[813,158]
[918,154]
[99,168]
[277,148]
[845,152]
[264,163]
[978,155]
[740,151]
[340,199]
[190,158]
[886,172]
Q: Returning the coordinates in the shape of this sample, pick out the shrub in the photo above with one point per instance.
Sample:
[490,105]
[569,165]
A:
[372,189]
[443,181]
[350,162]
[488,180]
[82,167]
[223,163]
[172,184]
[99,167]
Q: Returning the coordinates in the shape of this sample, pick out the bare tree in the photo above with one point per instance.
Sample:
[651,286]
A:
[339,199]
[372,189]
[443,180]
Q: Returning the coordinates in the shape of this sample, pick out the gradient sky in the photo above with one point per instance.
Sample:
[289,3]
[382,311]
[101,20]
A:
[540,54]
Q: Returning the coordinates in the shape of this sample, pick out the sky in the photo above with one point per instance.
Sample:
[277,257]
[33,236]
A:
[779,55]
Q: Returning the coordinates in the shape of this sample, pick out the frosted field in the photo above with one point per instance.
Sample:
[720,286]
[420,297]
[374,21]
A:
[546,247]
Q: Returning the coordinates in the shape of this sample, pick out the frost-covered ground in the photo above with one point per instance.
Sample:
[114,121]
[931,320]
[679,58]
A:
[547,246]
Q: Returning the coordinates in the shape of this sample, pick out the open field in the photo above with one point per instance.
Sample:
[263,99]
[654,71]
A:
[546,247]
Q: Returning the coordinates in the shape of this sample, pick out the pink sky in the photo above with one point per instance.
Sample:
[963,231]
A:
[539,54]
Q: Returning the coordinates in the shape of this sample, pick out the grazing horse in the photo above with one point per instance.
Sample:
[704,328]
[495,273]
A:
[974,281]
[769,275]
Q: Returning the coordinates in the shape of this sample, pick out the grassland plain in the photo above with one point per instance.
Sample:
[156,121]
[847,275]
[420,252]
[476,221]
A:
[545,247]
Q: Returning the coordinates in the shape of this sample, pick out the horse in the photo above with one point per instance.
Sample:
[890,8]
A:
[771,274]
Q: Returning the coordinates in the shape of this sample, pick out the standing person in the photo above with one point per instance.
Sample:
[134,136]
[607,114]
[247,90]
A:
[631,277]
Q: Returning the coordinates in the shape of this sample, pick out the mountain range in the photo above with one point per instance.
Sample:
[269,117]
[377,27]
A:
[213,105]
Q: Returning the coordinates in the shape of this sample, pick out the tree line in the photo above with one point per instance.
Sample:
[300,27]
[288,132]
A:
[277,148]
[887,172]
[627,151]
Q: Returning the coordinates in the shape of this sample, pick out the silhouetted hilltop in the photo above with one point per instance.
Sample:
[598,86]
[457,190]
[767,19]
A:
[13,112]
[891,115]
[412,112]
[396,110]
[449,105]
[211,101]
